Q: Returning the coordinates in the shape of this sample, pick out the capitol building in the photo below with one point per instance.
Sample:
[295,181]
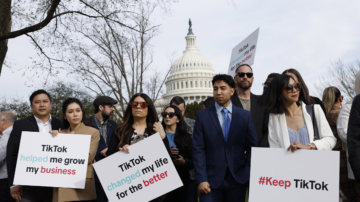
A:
[190,75]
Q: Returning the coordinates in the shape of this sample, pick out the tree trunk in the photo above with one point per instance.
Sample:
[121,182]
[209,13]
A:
[5,27]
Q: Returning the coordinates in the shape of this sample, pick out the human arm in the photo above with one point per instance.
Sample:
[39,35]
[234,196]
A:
[273,133]
[3,142]
[343,121]
[251,139]
[198,150]
[327,139]
[353,138]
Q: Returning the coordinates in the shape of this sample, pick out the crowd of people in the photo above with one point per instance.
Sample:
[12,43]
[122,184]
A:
[211,154]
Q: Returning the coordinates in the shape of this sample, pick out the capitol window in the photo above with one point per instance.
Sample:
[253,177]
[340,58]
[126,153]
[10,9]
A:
[182,85]
[205,84]
[191,84]
[196,84]
[186,85]
[177,85]
[200,83]
[173,86]
[209,84]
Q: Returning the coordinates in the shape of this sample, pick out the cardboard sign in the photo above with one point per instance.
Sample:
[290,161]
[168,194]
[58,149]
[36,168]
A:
[52,162]
[282,176]
[145,173]
[244,52]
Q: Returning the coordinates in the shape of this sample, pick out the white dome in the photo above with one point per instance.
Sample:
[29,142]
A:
[191,74]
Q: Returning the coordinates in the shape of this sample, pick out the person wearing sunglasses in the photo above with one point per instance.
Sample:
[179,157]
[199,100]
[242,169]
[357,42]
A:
[304,92]
[290,126]
[244,99]
[140,121]
[180,142]
[268,80]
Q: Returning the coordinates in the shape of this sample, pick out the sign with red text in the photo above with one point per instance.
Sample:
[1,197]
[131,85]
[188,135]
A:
[52,162]
[145,173]
[306,175]
[244,52]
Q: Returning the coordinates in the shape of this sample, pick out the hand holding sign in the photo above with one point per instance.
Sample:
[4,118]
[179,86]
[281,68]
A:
[141,175]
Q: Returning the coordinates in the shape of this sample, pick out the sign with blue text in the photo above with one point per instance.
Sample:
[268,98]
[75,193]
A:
[145,173]
[306,175]
[244,52]
[49,161]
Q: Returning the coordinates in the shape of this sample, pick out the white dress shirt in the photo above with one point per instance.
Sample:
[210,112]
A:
[3,144]
[44,127]
[221,115]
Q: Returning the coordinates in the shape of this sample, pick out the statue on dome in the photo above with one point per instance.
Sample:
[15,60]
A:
[190,24]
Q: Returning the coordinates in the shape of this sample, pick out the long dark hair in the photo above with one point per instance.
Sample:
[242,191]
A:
[271,99]
[65,104]
[304,92]
[181,129]
[126,130]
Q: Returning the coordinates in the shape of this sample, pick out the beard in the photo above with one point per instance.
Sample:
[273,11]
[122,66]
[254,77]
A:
[105,115]
[245,86]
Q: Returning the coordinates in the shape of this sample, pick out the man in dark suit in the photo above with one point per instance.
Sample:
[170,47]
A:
[222,133]
[41,121]
[243,98]
[353,138]
[104,110]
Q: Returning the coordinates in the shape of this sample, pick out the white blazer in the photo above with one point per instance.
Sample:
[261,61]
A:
[279,135]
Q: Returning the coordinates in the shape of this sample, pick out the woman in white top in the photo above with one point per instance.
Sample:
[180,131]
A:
[290,126]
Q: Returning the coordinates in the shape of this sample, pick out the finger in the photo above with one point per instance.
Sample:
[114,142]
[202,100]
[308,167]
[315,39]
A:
[172,147]
[59,130]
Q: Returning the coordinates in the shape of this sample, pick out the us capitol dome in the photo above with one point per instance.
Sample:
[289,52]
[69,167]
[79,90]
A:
[190,75]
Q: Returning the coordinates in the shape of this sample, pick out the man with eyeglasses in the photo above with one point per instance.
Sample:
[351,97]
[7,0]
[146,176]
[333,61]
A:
[243,98]
[104,110]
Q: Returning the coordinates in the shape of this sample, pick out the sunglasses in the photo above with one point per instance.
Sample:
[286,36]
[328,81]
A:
[143,105]
[266,84]
[242,74]
[165,114]
[289,88]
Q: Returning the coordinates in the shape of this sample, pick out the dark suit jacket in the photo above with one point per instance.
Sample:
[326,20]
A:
[111,125]
[212,155]
[26,124]
[353,138]
[259,116]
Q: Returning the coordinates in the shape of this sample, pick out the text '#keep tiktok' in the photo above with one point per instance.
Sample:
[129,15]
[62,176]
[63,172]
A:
[299,183]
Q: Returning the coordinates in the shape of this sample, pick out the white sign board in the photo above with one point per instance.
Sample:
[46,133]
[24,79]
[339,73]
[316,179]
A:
[282,176]
[244,52]
[145,173]
[52,162]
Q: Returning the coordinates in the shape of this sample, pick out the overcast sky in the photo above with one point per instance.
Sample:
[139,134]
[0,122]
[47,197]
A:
[305,35]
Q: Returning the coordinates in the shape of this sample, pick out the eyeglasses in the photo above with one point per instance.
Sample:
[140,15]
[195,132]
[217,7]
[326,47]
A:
[143,105]
[165,114]
[242,74]
[289,88]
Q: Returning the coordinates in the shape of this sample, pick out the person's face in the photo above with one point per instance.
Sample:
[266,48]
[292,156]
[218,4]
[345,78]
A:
[181,107]
[107,110]
[267,83]
[139,112]
[170,121]
[290,92]
[73,114]
[41,105]
[243,82]
[222,92]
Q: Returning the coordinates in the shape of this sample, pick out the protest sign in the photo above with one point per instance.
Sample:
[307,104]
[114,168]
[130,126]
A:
[145,173]
[52,162]
[244,52]
[306,175]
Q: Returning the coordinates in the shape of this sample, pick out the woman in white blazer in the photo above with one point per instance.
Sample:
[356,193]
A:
[290,126]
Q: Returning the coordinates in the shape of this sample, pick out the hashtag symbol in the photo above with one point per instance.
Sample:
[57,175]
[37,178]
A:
[262,180]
